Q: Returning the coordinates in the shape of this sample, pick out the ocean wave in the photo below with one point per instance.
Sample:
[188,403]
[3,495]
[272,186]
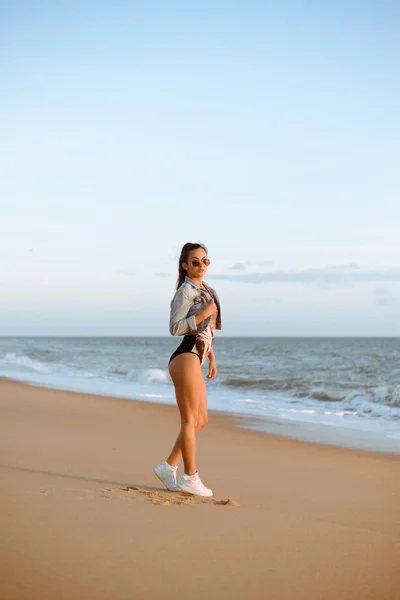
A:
[42,355]
[154,376]
[389,395]
[25,362]
[265,383]
[13,361]
[316,389]
[321,391]
[122,370]
[143,376]
[325,397]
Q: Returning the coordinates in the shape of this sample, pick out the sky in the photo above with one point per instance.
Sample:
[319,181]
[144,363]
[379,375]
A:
[268,131]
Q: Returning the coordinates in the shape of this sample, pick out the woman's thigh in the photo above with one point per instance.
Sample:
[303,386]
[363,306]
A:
[203,409]
[189,385]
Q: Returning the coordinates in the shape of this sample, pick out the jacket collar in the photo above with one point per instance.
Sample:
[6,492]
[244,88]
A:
[197,287]
[192,283]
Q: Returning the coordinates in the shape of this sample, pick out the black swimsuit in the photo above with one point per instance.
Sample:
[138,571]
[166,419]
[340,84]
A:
[188,344]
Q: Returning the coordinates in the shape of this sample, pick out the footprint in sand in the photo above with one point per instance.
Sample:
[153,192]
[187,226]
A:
[166,498]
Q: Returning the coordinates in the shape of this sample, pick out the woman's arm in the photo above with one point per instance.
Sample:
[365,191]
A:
[179,323]
[212,365]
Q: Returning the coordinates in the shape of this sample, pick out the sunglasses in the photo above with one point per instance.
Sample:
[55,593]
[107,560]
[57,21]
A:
[197,263]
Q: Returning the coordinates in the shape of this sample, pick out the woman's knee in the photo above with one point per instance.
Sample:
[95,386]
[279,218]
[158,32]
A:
[188,423]
[201,422]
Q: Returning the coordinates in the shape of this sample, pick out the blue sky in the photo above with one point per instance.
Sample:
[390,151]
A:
[269,132]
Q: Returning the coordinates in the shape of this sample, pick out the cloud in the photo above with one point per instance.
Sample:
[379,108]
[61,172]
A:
[387,301]
[384,297]
[121,272]
[350,266]
[35,243]
[348,275]
[244,265]
[162,274]
[238,267]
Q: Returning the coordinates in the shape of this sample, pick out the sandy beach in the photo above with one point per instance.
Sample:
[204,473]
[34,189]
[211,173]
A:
[83,515]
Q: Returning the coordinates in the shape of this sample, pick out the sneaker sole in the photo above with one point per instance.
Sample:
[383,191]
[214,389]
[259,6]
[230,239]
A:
[192,493]
[175,489]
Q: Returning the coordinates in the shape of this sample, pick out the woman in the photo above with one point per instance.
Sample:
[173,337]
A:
[195,314]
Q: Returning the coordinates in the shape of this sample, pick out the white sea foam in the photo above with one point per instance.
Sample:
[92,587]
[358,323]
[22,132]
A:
[154,395]
[155,375]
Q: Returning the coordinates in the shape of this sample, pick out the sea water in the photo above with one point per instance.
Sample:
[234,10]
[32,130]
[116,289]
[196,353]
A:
[349,387]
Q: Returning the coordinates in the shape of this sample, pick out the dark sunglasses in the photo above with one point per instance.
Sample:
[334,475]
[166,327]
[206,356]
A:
[197,263]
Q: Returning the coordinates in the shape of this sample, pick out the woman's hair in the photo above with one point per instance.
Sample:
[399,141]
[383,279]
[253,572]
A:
[184,258]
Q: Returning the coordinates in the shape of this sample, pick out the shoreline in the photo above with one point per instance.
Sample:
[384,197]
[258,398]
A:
[302,431]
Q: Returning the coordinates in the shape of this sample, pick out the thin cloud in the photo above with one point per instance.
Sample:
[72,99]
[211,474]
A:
[161,274]
[121,272]
[340,267]
[245,265]
[348,275]
[386,301]
[383,297]
[35,243]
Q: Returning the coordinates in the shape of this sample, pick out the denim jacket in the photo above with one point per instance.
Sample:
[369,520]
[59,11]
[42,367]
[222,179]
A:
[186,304]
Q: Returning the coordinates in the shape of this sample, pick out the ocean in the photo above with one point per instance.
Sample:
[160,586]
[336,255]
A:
[345,391]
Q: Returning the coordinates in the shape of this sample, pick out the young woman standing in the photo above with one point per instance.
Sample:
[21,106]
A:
[195,314]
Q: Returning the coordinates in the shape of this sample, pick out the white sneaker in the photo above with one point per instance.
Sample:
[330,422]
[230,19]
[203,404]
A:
[192,484]
[167,474]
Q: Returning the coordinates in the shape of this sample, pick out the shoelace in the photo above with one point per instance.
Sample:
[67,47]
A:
[197,479]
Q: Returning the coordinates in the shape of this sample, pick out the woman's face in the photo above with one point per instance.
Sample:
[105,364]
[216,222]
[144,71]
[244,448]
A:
[197,264]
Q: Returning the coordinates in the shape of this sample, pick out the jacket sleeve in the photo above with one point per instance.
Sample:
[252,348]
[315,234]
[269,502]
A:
[179,323]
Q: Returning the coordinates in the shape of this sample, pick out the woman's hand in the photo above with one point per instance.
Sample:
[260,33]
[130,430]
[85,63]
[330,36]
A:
[209,307]
[212,370]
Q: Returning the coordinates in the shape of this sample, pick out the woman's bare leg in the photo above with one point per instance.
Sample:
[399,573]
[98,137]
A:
[202,420]
[189,385]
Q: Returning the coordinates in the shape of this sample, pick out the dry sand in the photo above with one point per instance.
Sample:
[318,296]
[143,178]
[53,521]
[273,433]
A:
[84,517]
